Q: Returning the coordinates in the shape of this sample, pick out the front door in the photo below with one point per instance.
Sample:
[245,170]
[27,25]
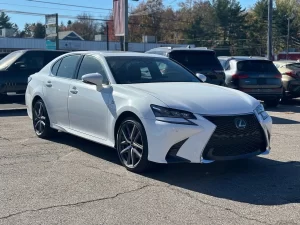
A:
[88,106]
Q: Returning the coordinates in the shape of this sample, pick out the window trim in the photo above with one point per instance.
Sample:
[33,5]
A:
[61,59]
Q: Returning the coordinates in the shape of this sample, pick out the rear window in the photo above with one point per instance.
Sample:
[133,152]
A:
[195,60]
[256,66]
[294,66]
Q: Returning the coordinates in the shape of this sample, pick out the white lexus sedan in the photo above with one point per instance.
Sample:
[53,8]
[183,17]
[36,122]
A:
[148,107]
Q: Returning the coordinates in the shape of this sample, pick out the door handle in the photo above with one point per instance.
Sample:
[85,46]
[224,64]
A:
[49,84]
[74,90]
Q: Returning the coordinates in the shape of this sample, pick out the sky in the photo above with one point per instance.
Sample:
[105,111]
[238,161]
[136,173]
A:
[99,8]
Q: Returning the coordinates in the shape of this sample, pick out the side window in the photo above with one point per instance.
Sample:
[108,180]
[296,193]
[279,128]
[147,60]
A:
[68,66]
[32,60]
[55,67]
[90,64]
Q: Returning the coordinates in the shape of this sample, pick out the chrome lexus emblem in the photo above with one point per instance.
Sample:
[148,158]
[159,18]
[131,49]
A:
[240,123]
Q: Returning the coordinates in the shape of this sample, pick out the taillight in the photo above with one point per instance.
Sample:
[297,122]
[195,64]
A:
[291,74]
[278,76]
[239,76]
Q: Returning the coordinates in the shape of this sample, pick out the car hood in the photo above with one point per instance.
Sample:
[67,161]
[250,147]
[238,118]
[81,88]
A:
[200,98]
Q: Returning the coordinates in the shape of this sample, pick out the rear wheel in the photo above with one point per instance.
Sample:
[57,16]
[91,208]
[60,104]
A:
[41,122]
[272,102]
[132,146]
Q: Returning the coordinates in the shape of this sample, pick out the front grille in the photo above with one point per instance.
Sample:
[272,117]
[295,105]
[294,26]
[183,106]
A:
[229,142]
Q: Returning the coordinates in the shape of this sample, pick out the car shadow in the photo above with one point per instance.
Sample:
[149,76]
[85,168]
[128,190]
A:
[256,181]
[278,120]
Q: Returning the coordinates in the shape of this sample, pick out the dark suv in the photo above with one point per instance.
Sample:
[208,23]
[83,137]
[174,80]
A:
[197,60]
[16,67]
[255,76]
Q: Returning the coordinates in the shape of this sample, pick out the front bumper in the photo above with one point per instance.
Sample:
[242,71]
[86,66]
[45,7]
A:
[187,143]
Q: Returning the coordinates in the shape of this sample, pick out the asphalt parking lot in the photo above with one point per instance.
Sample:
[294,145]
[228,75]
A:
[68,180]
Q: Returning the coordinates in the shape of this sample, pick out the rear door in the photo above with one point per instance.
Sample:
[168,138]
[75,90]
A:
[56,89]
[258,74]
[204,62]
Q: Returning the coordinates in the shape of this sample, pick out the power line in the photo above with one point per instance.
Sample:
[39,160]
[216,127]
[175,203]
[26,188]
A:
[78,6]
[40,7]
[42,14]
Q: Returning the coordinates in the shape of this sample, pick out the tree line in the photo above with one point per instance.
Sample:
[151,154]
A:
[219,24]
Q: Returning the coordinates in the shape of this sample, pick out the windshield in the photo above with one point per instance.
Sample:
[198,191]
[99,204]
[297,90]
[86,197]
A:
[9,59]
[197,60]
[294,66]
[130,70]
[257,66]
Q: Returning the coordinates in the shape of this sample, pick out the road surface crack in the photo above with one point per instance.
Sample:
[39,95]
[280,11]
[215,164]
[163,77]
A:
[218,206]
[73,204]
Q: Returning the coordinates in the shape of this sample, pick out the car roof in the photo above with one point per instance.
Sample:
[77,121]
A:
[285,62]
[40,50]
[243,58]
[170,49]
[118,53]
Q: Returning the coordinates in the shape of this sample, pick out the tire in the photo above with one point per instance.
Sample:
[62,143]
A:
[132,136]
[272,102]
[41,122]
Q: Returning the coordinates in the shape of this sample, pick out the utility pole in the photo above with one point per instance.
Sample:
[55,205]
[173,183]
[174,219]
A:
[57,37]
[126,25]
[270,17]
[288,35]
[107,37]
[287,39]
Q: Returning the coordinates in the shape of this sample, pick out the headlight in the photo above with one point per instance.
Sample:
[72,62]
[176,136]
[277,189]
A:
[260,110]
[173,115]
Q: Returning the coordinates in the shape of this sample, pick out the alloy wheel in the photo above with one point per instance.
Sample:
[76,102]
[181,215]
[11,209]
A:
[130,144]
[39,118]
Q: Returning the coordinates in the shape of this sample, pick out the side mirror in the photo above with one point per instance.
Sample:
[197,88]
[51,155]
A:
[93,78]
[201,77]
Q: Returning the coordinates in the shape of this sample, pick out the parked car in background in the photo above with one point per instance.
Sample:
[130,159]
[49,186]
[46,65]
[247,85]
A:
[107,97]
[257,77]
[16,67]
[197,60]
[290,71]
[3,54]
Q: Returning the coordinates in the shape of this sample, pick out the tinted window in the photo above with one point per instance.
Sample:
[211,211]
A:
[196,60]
[68,66]
[294,66]
[55,67]
[128,70]
[32,60]
[256,66]
[91,65]
[50,55]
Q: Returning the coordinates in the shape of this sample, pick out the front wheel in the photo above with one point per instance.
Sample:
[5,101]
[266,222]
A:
[272,102]
[41,122]
[132,146]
